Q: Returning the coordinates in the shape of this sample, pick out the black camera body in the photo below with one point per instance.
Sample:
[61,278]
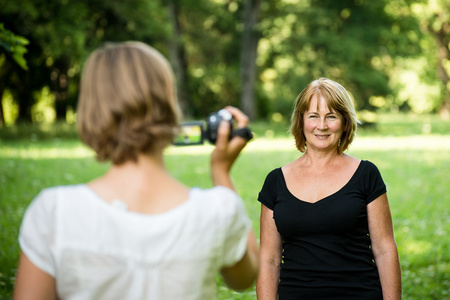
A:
[213,122]
[194,133]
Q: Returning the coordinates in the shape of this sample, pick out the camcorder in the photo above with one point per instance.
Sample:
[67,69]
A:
[196,132]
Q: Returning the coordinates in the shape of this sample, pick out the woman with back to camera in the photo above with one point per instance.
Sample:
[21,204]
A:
[326,227]
[136,232]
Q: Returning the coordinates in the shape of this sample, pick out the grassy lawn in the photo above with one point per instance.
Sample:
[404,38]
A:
[411,152]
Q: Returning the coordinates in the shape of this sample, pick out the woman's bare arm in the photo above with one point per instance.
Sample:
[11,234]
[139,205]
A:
[384,247]
[32,282]
[269,257]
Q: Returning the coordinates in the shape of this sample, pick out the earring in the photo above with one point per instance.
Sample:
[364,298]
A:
[339,143]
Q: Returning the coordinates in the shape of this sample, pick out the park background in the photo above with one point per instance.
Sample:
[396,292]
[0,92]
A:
[393,56]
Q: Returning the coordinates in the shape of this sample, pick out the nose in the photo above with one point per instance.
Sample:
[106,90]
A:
[322,125]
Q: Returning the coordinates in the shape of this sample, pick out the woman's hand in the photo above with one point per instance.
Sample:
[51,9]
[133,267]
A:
[226,151]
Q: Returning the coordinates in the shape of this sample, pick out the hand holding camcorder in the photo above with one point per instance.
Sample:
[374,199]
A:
[194,133]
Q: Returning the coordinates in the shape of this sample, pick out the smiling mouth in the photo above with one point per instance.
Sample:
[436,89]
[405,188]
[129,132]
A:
[322,137]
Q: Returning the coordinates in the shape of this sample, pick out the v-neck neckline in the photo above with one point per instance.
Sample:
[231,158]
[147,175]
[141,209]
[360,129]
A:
[332,195]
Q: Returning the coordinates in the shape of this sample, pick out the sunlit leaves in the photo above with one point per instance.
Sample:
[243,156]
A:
[14,45]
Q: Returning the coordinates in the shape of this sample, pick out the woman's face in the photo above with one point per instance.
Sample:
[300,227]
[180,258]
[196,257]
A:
[322,128]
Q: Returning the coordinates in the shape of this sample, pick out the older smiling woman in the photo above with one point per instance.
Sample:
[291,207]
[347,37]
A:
[326,228]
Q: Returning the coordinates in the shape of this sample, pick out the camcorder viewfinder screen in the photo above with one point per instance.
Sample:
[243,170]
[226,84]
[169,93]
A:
[191,134]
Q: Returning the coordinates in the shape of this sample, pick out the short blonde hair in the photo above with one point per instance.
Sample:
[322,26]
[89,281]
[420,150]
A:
[127,103]
[338,100]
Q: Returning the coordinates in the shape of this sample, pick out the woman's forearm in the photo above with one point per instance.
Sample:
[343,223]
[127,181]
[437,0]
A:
[390,274]
[221,177]
[267,282]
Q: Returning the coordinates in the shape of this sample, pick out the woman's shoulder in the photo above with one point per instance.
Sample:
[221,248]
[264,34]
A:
[44,208]
[214,196]
[54,193]
[50,200]
[63,189]
[272,178]
[218,201]
[274,173]
[368,174]
[369,166]
[351,160]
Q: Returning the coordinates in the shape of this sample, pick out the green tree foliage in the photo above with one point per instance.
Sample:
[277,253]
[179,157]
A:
[62,33]
[211,32]
[383,51]
[434,18]
[14,45]
[351,41]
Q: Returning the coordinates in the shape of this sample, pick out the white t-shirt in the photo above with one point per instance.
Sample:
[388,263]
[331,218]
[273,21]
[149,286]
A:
[97,250]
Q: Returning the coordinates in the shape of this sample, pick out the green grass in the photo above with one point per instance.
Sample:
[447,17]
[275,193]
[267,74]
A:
[414,162]
[38,132]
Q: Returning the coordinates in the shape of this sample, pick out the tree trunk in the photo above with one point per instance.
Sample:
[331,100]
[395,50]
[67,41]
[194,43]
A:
[25,98]
[178,59]
[59,84]
[442,38]
[2,114]
[250,40]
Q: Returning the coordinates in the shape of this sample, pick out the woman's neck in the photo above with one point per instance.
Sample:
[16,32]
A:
[145,185]
[321,158]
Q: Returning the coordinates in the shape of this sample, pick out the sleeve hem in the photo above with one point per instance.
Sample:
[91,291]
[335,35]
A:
[377,194]
[39,263]
[241,249]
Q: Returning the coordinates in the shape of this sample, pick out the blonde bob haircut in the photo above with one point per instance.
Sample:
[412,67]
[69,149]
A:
[338,100]
[127,104]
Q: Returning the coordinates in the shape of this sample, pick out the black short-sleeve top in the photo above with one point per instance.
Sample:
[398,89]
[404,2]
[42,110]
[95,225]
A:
[326,245]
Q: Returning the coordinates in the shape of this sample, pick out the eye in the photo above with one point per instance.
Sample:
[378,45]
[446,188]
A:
[332,117]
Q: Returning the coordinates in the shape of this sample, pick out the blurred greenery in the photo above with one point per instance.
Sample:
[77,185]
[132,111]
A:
[14,46]
[411,152]
[388,124]
[392,55]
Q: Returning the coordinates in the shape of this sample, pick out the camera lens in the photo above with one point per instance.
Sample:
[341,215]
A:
[225,114]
